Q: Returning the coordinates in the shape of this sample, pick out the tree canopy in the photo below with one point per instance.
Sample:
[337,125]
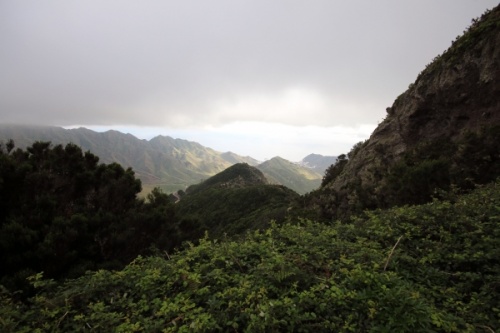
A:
[61,212]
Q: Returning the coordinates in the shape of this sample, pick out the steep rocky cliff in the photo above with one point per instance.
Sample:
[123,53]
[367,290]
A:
[433,130]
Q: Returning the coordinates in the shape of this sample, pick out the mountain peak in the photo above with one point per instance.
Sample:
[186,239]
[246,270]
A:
[237,175]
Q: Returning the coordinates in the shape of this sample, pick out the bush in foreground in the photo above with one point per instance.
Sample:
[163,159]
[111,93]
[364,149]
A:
[428,268]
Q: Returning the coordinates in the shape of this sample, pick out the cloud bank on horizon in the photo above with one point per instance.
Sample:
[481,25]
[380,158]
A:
[203,68]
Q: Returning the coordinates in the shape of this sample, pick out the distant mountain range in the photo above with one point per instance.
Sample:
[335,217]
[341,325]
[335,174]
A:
[168,163]
[318,163]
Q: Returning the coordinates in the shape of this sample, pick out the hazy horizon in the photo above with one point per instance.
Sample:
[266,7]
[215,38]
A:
[258,78]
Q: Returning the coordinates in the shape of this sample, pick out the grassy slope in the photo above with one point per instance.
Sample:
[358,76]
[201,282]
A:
[168,163]
[294,176]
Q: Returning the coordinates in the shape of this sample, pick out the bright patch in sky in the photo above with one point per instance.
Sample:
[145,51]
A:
[259,78]
[294,106]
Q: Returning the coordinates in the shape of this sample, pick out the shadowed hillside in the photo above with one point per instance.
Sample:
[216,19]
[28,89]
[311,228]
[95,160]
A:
[442,132]
[403,234]
[232,202]
[171,164]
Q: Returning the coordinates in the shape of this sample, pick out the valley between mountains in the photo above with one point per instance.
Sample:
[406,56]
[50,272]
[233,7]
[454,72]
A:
[168,163]
[401,234]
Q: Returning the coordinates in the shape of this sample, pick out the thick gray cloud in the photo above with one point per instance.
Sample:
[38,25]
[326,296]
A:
[190,63]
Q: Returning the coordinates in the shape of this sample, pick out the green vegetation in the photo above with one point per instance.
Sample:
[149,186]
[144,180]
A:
[164,162]
[63,213]
[232,202]
[292,175]
[440,164]
[428,268]
[417,177]
[238,175]
[412,245]
[233,211]
[334,170]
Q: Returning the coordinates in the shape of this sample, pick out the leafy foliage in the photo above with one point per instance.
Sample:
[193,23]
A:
[334,170]
[419,174]
[432,267]
[428,268]
[232,210]
[474,159]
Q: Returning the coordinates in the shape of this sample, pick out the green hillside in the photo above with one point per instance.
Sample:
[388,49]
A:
[164,162]
[403,234]
[429,268]
[292,175]
[441,133]
[232,202]
[238,175]
[171,164]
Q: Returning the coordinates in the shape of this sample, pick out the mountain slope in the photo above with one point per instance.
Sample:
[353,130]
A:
[234,158]
[443,130]
[233,201]
[429,268]
[171,164]
[238,175]
[165,162]
[292,175]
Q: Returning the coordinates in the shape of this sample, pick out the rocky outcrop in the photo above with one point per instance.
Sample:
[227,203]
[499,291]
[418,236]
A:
[458,93]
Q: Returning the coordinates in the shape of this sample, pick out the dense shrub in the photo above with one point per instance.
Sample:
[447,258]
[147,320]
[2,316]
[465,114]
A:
[428,268]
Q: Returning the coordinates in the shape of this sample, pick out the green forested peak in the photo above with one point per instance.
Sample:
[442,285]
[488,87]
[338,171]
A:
[237,175]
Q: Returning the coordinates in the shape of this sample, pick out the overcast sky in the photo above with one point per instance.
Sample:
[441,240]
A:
[259,78]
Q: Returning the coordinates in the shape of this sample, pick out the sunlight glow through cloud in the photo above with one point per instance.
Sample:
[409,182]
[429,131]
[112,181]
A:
[260,78]
[292,106]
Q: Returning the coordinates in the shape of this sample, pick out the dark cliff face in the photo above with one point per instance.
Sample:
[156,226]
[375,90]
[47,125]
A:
[458,92]
[456,95]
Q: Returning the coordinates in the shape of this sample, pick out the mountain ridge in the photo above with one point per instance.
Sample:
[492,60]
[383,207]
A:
[169,163]
[441,132]
[281,171]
